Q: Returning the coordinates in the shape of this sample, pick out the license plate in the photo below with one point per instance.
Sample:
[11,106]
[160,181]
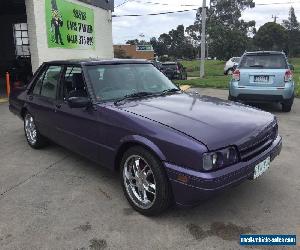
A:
[263,79]
[261,167]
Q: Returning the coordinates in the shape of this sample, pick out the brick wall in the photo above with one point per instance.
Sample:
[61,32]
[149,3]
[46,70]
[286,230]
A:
[130,50]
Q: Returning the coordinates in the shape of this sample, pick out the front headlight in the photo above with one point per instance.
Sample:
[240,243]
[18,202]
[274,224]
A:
[220,159]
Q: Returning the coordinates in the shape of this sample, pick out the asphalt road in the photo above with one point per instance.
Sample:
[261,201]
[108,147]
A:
[54,199]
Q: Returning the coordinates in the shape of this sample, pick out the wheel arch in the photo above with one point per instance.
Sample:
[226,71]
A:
[23,112]
[137,140]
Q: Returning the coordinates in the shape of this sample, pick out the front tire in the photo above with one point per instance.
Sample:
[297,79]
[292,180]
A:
[33,136]
[144,182]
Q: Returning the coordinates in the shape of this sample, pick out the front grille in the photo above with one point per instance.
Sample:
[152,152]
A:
[259,144]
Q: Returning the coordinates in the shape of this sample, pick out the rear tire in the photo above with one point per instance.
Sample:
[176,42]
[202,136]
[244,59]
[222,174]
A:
[33,136]
[232,98]
[144,181]
[287,105]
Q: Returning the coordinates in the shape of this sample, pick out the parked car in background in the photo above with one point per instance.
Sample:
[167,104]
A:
[230,65]
[263,76]
[157,64]
[167,145]
[174,70]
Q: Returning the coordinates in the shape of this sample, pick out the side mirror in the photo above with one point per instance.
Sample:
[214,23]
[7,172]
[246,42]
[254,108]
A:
[291,66]
[78,102]
[234,67]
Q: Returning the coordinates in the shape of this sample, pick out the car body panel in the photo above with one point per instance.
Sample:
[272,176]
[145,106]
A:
[177,128]
[174,70]
[262,84]
[191,115]
[200,186]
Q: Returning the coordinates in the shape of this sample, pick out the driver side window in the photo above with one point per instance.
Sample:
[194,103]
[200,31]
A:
[73,84]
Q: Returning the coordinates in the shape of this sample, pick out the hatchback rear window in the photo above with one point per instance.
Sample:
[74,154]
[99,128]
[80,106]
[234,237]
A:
[265,61]
[169,66]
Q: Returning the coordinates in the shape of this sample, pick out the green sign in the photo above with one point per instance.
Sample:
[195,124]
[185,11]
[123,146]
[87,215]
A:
[144,48]
[69,25]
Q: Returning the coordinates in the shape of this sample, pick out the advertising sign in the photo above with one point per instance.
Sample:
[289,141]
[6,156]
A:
[144,48]
[69,25]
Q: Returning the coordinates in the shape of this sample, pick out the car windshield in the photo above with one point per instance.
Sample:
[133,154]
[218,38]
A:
[266,61]
[114,82]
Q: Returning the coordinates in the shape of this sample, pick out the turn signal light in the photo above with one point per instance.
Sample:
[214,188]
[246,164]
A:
[288,76]
[236,75]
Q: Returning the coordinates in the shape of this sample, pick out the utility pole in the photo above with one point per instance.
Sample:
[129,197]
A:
[275,18]
[203,43]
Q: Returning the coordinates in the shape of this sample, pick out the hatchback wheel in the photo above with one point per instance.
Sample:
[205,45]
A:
[287,105]
[232,98]
[33,136]
[144,182]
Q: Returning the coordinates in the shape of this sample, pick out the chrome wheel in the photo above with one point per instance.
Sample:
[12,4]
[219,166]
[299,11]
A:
[30,129]
[139,181]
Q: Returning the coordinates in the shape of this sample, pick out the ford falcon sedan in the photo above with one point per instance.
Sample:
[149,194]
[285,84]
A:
[168,146]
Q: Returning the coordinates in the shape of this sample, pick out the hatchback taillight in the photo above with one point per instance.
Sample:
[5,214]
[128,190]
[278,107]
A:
[236,75]
[288,76]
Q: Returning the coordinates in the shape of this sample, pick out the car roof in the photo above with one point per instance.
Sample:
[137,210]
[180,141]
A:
[97,61]
[166,63]
[265,52]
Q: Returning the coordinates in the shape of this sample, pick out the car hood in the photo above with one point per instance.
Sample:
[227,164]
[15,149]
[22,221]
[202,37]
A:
[212,121]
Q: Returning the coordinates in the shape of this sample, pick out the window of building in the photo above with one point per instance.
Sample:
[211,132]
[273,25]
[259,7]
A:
[21,39]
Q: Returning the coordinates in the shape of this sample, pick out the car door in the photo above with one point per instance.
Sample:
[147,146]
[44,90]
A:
[77,127]
[41,100]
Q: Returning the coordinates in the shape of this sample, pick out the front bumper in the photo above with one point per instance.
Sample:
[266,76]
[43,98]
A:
[200,185]
[259,93]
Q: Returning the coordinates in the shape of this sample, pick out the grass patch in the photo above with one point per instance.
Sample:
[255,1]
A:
[296,63]
[212,67]
[215,78]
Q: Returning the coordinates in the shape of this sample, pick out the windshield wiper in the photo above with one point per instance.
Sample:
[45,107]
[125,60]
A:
[134,95]
[257,66]
[167,91]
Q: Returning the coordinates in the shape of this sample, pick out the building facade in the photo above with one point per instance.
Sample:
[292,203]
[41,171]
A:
[135,51]
[35,31]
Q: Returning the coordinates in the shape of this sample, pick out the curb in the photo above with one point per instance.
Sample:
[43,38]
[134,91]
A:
[3,100]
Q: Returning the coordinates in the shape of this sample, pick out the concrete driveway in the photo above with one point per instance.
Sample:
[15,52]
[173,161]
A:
[54,199]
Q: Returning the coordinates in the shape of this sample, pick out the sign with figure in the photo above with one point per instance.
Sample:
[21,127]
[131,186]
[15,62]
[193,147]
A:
[69,25]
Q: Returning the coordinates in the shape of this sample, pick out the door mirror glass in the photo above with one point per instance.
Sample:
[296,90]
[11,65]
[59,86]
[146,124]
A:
[78,102]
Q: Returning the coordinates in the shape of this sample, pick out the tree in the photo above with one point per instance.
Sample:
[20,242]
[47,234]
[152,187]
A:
[291,23]
[293,29]
[228,33]
[271,36]
[137,42]
[174,44]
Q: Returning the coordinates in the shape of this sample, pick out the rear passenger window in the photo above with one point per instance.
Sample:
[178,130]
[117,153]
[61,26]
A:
[50,82]
[38,84]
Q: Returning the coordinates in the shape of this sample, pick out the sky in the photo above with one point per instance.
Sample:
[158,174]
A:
[126,28]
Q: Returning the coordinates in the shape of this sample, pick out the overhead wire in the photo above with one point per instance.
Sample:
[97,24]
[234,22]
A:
[178,11]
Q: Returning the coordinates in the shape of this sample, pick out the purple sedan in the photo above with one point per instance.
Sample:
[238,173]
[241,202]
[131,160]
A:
[168,146]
